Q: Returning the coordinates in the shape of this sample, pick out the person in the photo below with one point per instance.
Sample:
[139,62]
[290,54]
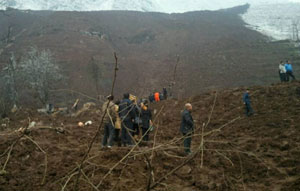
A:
[247,102]
[289,71]
[187,127]
[282,72]
[146,116]
[109,121]
[157,96]
[137,120]
[165,93]
[151,98]
[127,116]
[117,125]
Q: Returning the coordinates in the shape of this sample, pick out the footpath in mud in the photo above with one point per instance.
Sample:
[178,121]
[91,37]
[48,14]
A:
[233,152]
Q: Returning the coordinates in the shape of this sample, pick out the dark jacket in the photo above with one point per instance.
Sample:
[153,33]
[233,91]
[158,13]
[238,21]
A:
[146,116]
[126,110]
[187,122]
[246,98]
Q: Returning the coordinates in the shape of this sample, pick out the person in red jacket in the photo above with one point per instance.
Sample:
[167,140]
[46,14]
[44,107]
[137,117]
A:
[156,96]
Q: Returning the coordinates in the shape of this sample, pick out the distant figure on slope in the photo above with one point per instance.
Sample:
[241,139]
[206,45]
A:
[247,102]
[151,98]
[282,72]
[187,127]
[157,96]
[289,71]
[146,116]
[165,93]
[127,115]
[109,120]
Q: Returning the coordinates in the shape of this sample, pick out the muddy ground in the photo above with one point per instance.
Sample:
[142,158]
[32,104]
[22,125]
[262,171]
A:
[261,152]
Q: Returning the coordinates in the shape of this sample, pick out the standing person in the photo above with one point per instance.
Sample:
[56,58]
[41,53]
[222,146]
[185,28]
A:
[127,116]
[289,71]
[165,93]
[117,125]
[247,102]
[282,72]
[187,127]
[109,122]
[146,116]
[151,98]
[137,120]
[157,96]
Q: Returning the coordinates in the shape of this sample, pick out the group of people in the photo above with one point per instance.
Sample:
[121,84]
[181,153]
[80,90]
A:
[157,96]
[286,71]
[124,119]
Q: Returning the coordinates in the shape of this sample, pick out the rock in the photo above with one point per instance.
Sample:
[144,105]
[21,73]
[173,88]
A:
[88,123]
[285,146]
[32,124]
[185,170]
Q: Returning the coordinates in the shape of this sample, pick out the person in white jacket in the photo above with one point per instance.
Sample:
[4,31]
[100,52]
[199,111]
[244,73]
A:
[282,72]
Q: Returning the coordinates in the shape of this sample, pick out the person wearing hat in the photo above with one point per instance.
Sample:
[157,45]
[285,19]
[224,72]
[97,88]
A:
[109,120]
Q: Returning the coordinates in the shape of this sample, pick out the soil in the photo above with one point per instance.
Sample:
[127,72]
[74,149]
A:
[261,152]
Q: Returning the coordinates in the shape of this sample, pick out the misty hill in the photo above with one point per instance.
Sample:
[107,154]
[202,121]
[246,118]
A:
[216,50]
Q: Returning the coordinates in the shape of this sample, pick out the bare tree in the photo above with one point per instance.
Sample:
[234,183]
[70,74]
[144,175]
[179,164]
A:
[9,80]
[96,74]
[40,72]
[296,29]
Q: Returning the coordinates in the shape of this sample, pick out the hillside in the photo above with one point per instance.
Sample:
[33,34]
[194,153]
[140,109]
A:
[257,153]
[216,50]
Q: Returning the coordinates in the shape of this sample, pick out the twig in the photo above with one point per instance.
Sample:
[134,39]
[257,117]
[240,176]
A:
[242,173]
[46,158]
[68,180]
[89,181]
[122,171]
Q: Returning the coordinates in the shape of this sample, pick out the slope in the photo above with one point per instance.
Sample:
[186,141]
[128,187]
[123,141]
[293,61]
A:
[257,153]
[216,50]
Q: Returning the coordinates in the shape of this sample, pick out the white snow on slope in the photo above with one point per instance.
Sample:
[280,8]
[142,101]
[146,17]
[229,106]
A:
[271,17]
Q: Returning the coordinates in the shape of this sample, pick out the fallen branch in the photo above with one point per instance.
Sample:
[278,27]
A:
[46,158]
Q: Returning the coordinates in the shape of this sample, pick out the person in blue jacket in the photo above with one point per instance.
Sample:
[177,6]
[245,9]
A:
[247,102]
[187,127]
[289,71]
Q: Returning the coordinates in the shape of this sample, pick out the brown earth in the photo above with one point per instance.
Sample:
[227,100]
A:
[216,50]
[261,152]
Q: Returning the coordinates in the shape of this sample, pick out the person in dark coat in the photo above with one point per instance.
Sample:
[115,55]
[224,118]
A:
[187,127]
[137,121]
[165,93]
[127,115]
[146,116]
[247,102]
[151,98]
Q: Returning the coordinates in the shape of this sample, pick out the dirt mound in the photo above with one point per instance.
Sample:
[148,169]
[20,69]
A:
[261,152]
